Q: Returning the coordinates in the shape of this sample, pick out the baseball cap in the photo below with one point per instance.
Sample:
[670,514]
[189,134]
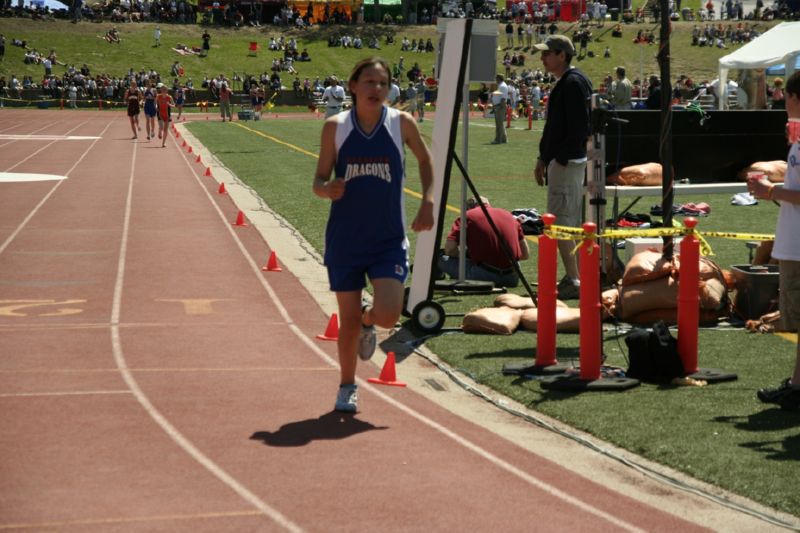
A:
[557,43]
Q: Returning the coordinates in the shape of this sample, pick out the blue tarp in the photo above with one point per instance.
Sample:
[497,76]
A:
[780,70]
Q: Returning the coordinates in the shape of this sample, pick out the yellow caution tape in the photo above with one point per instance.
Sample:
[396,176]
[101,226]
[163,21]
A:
[578,234]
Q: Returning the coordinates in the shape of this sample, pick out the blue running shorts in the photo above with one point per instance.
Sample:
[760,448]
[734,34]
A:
[392,264]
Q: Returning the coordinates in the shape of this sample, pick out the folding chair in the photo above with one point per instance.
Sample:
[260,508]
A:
[252,49]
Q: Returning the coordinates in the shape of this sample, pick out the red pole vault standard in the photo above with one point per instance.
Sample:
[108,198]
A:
[546,313]
[590,304]
[688,298]
[530,116]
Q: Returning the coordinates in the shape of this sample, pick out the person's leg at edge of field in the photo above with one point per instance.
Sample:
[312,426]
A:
[349,330]
[564,195]
[165,129]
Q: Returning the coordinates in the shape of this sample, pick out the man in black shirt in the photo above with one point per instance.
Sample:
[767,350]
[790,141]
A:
[562,150]
[653,94]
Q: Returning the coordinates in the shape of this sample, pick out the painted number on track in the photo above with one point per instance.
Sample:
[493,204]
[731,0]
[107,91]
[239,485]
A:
[25,308]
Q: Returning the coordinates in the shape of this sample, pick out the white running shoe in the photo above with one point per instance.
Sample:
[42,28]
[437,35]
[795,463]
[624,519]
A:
[367,342]
[347,398]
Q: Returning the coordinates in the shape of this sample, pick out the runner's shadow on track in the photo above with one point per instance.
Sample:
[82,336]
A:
[330,426]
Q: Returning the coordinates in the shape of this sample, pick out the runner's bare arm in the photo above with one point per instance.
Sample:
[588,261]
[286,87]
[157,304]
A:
[411,136]
[323,185]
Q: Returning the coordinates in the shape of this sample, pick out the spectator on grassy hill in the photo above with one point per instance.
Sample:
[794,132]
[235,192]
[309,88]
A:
[393,96]
[112,35]
[562,149]
[777,95]
[621,89]
[653,94]
[225,102]
[275,82]
[333,96]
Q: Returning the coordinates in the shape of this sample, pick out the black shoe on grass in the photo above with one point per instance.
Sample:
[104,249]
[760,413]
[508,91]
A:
[786,396]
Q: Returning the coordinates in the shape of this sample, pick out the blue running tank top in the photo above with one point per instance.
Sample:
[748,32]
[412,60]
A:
[369,219]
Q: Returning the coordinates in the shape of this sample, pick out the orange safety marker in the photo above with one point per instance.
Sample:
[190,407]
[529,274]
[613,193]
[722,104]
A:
[240,219]
[189,150]
[198,159]
[184,144]
[589,265]
[332,331]
[530,117]
[546,327]
[688,298]
[222,188]
[208,171]
[388,375]
[272,264]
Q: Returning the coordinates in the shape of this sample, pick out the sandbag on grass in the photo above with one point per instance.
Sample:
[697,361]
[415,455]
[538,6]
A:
[515,301]
[775,170]
[567,319]
[647,174]
[496,320]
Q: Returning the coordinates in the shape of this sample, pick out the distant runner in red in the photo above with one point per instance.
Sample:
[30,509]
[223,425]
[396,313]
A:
[165,103]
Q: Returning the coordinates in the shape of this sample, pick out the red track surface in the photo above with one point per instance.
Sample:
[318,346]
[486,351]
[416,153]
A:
[152,378]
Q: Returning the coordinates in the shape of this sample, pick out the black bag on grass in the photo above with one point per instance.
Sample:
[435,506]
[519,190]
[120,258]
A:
[653,354]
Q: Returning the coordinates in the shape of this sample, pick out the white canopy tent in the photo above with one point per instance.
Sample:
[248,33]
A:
[779,45]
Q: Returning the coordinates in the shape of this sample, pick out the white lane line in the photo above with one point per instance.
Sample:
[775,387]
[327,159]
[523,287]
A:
[31,137]
[46,146]
[489,456]
[50,125]
[68,393]
[47,196]
[7,177]
[144,401]
[128,520]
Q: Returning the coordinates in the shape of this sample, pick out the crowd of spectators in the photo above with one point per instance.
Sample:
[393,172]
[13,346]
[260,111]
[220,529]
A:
[718,36]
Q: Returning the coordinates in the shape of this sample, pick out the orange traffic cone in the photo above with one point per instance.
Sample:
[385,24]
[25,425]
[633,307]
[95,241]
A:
[198,160]
[240,219]
[184,144]
[208,171]
[177,134]
[221,189]
[272,264]
[332,331]
[189,150]
[388,376]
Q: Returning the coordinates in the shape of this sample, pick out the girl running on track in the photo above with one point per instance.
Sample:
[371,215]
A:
[164,103]
[132,97]
[180,99]
[149,109]
[365,236]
